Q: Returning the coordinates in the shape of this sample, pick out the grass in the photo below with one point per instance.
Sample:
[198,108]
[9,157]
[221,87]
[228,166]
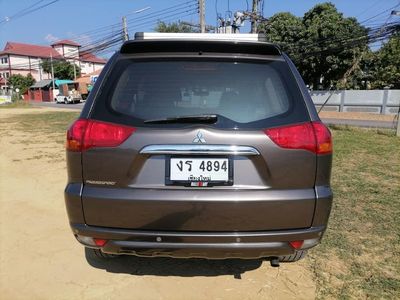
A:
[360,253]
[51,124]
[16,104]
[37,131]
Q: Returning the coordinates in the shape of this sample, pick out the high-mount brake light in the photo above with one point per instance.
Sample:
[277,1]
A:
[311,136]
[85,134]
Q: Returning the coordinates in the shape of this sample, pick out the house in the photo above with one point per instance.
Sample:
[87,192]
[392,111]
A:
[43,90]
[20,58]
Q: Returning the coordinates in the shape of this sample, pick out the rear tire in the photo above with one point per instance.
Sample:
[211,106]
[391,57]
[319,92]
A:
[65,101]
[293,257]
[98,254]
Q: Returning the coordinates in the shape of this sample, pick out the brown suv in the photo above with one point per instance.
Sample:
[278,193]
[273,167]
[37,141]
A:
[199,147]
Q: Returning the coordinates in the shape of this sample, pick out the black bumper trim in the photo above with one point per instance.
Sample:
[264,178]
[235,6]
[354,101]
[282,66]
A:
[198,244]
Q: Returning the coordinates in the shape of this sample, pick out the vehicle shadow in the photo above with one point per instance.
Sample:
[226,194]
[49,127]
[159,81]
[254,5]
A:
[160,266]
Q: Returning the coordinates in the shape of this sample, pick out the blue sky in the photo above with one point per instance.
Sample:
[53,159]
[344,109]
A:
[73,19]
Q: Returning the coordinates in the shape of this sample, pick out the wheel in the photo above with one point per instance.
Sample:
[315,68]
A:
[97,253]
[293,257]
[65,101]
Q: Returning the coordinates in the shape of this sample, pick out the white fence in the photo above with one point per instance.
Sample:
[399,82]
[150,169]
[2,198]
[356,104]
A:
[371,101]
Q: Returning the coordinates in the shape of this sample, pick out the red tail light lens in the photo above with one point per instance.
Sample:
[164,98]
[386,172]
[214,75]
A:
[314,137]
[296,244]
[85,134]
[324,138]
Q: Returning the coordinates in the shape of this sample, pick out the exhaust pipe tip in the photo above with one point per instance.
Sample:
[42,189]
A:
[274,261]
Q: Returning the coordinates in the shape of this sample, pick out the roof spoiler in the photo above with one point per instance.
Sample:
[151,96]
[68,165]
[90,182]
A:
[250,37]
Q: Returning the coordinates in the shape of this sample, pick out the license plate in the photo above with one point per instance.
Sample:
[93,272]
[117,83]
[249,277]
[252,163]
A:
[199,171]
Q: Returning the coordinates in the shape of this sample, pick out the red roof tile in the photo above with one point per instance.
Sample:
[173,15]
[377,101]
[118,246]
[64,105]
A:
[44,52]
[66,42]
[30,50]
[89,57]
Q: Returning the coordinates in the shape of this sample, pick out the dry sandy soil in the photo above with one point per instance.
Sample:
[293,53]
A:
[40,259]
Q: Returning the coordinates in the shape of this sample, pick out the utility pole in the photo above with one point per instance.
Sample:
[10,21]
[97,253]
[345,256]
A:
[73,62]
[52,73]
[202,16]
[397,13]
[125,29]
[254,16]
[125,35]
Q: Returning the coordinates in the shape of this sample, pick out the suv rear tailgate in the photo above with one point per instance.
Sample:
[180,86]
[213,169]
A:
[271,191]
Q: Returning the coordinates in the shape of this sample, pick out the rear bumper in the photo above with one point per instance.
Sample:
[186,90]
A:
[219,245]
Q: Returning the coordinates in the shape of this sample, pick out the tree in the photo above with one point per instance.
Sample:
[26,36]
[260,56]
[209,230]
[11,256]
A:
[385,71]
[174,27]
[286,30]
[62,69]
[21,82]
[329,36]
[323,44]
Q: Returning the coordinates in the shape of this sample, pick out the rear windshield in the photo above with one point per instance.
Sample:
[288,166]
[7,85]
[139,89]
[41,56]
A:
[242,94]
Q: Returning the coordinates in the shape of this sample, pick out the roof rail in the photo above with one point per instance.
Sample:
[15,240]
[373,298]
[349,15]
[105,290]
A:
[251,37]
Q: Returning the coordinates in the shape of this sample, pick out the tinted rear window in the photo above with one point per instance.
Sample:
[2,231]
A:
[243,94]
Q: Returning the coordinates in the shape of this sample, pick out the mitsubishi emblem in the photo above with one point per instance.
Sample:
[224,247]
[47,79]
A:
[199,138]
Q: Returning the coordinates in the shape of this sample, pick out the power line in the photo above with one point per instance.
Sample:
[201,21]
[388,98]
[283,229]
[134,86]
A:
[379,14]
[113,39]
[180,7]
[27,11]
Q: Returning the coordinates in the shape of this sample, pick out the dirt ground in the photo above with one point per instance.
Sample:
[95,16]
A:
[40,259]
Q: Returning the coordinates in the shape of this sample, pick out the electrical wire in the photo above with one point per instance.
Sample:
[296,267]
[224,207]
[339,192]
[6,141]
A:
[27,11]
[115,38]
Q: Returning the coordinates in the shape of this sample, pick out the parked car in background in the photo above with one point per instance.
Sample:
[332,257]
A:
[198,145]
[68,93]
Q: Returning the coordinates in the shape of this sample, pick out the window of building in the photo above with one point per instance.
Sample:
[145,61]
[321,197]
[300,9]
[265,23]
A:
[4,60]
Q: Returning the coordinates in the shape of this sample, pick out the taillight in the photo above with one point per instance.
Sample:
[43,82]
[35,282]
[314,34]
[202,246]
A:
[313,136]
[324,138]
[85,134]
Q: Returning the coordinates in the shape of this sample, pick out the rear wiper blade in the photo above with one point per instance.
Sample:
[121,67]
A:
[185,119]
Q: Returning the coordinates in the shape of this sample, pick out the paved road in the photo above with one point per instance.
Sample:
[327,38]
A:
[360,123]
[329,121]
[77,106]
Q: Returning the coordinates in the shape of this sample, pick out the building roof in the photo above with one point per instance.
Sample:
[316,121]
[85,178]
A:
[97,72]
[41,84]
[89,57]
[58,82]
[45,52]
[30,50]
[66,42]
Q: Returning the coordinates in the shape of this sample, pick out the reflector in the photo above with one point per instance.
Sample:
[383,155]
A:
[296,244]
[100,242]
